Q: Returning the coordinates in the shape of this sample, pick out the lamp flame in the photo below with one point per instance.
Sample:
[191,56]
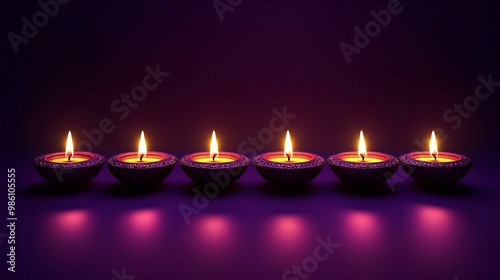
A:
[433,148]
[288,146]
[362,146]
[143,150]
[214,148]
[69,146]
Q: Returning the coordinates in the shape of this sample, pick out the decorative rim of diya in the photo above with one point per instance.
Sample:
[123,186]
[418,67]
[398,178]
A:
[93,159]
[167,159]
[239,161]
[315,161]
[460,160]
[387,161]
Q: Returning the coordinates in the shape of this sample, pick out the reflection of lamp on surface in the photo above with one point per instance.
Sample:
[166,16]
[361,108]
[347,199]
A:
[288,235]
[212,237]
[140,230]
[70,227]
[72,221]
[215,230]
[362,223]
[363,227]
[143,222]
[433,221]
[436,232]
[66,232]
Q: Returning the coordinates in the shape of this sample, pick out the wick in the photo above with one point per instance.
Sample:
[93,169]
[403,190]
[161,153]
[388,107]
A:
[141,157]
[213,158]
[434,157]
[288,157]
[362,158]
[69,157]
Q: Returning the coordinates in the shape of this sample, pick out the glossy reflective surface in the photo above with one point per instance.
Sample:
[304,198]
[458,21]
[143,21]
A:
[252,231]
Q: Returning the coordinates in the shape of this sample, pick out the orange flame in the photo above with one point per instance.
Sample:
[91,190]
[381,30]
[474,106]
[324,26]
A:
[214,148]
[433,148]
[69,146]
[142,147]
[288,146]
[362,146]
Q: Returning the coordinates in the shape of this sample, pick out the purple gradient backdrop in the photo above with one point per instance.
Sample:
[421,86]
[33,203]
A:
[229,76]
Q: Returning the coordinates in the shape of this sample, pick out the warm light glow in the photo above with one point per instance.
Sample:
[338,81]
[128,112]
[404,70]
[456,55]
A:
[214,236]
[362,146]
[288,146]
[443,158]
[298,158]
[216,160]
[69,146]
[132,157]
[355,158]
[143,150]
[71,222]
[436,230]
[215,230]
[288,236]
[206,157]
[143,223]
[214,148]
[433,148]
[363,228]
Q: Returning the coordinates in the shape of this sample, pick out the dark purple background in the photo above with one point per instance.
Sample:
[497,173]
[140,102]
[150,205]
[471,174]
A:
[228,76]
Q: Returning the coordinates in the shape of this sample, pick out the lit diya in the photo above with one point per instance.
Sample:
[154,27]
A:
[288,168]
[143,167]
[69,167]
[435,168]
[221,168]
[363,168]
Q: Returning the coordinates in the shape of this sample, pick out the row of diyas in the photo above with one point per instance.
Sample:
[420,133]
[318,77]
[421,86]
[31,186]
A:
[287,168]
